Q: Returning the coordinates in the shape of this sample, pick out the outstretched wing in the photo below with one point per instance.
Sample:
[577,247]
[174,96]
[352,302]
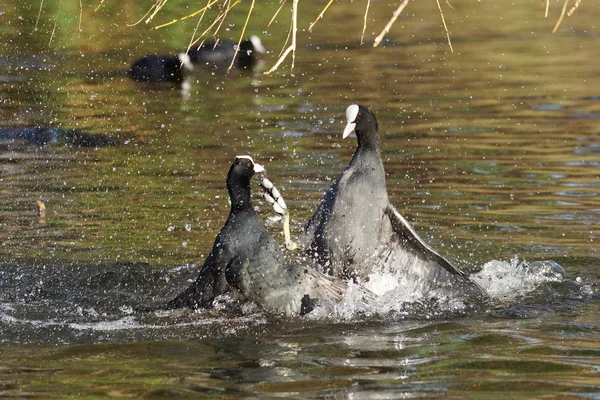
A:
[422,250]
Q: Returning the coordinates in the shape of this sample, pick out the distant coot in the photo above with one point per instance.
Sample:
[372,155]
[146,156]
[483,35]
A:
[356,229]
[219,54]
[247,259]
[160,68]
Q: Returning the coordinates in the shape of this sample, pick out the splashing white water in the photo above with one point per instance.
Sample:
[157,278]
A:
[517,278]
[402,296]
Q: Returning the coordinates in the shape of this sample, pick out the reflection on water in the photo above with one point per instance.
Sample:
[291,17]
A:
[491,152]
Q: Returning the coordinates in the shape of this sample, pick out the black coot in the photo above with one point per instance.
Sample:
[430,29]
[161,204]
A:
[218,55]
[356,230]
[160,68]
[246,258]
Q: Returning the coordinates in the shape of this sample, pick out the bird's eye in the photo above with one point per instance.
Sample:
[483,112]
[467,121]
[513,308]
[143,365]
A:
[249,165]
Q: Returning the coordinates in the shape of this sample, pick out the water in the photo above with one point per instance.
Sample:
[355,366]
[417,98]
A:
[491,152]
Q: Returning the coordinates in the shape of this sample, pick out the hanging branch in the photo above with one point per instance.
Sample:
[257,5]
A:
[55,22]
[575,7]
[387,28]
[39,15]
[445,27]
[320,15]
[157,7]
[292,47]
[193,39]
[100,5]
[237,49]
[183,18]
[362,37]
[276,13]
[80,18]
[562,14]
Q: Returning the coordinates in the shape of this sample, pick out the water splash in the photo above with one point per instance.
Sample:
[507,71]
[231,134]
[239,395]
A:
[91,303]
[516,278]
[508,283]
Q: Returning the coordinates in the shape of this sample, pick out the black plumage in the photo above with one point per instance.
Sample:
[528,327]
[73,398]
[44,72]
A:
[247,261]
[357,231]
[219,55]
[160,68]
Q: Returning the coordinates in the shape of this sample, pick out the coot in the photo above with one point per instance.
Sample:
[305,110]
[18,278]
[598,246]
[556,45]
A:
[246,259]
[160,68]
[219,54]
[357,231]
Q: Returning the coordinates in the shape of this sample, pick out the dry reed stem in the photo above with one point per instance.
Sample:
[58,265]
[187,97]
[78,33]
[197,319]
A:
[362,37]
[227,6]
[547,7]
[445,27]
[562,14]
[292,47]
[220,17]
[99,5]
[141,19]
[450,5]
[39,14]
[184,18]
[157,7]
[320,15]
[241,36]
[55,23]
[387,28]
[193,39]
[575,7]
[287,39]
[276,13]
[80,17]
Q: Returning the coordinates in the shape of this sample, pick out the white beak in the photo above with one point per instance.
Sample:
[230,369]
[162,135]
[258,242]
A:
[348,129]
[186,61]
[258,46]
[351,114]
[258,168]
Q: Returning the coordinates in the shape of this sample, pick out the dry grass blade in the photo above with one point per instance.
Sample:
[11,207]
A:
[101,4]
[547,7]
[320,15]
[227,6]
[575,7]
[450,5]
[387,28]
[186,17]
[39,15]
[292,47]
[143,16]
[55,23]
[562,15]
[80,18]
[158,6]
[193,39]
[362,37]
[445,27]
[218,20]
[241,36]
[276,13]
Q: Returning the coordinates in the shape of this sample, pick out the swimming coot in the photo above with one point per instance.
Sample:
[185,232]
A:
[160,68]
[356,229]
[247,259]
[218,55]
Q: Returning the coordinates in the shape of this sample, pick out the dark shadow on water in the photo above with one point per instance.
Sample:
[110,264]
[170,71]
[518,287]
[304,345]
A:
[45,136]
